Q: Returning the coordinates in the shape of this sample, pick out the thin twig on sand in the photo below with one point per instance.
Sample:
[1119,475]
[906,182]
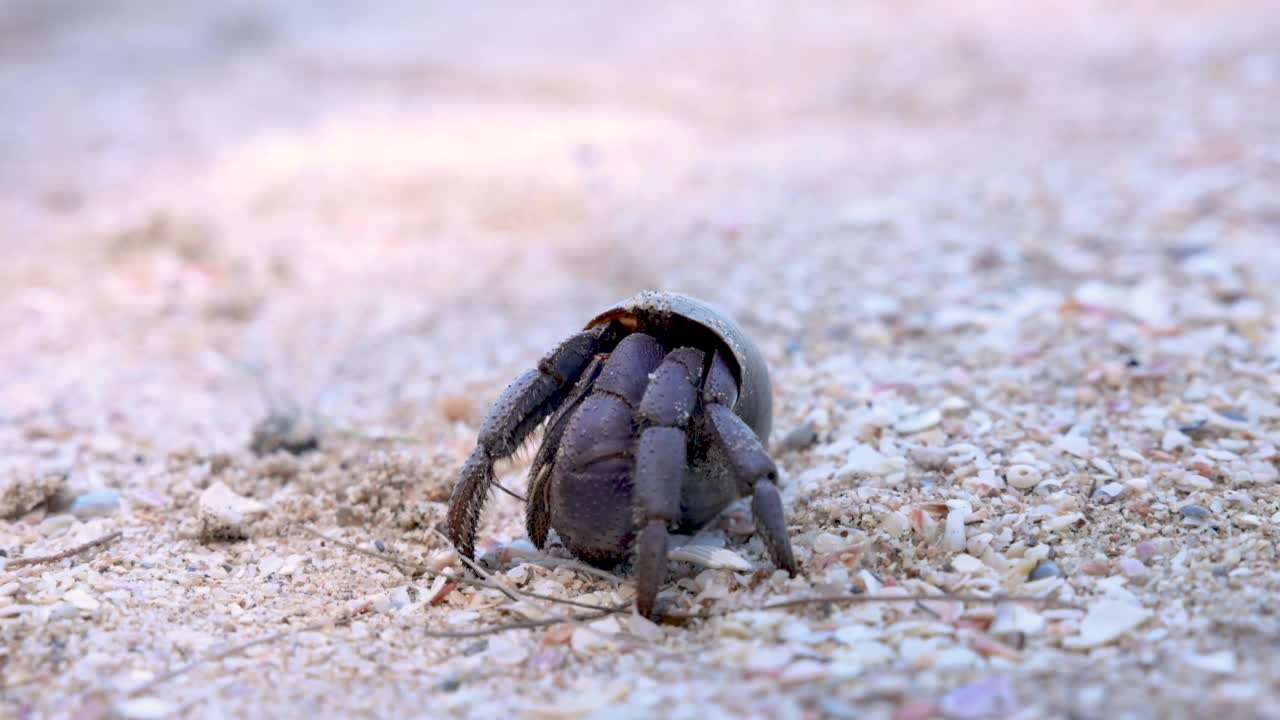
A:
[427,572]
[945,597]
[44,559]
[346,619]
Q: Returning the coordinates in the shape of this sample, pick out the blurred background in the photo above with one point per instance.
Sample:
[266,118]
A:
[407,201]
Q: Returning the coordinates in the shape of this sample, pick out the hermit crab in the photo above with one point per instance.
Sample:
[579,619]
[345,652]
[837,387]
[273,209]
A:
[659,412]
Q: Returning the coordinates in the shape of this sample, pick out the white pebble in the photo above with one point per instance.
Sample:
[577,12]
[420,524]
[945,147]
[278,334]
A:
[95,504]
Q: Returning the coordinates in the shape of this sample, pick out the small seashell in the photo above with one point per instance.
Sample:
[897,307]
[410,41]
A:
[505,650]
[1022,477]
[918,423]
[1146,550]
[1174,439]
[1106,621]
[711,557]
[1132,567]
[866,460]
[894,523]
[804,671]
[869,582]
[1110,491]
[594,636]
[224,514]
[1192,481]
[82,600]
[1222,662]
[1229,420]
[1075,445]
[1247,520]
[291,564]
[1012,618]
[1132,455]
[967,564]
[1106,467]
[953,532]
[930,458]
[144,708]
[1062,522]
[992,697]
[768,659]
[644,628]
[799,438]
[827,542]
[269,565]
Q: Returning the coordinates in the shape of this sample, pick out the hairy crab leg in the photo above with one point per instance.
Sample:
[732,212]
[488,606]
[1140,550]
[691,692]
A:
[537,517]
[518,411]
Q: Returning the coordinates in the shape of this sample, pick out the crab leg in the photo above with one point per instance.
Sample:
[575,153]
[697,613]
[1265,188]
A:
[749,462]
[537,516]
[661,465]
[518,411]
[590,495]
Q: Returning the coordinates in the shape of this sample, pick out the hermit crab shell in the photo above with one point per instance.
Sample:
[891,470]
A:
[683,320]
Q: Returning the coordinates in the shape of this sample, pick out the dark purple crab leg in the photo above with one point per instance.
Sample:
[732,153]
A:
[518,411]
[537,518]
[661,464]
[593,468]
[749,462]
